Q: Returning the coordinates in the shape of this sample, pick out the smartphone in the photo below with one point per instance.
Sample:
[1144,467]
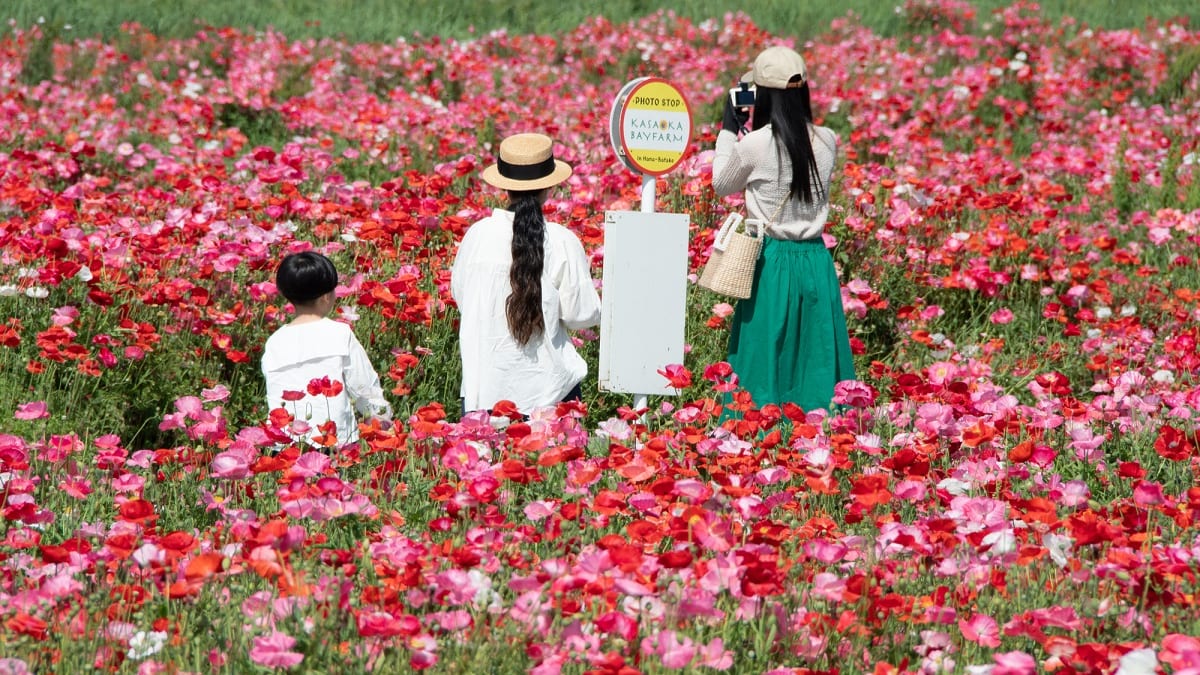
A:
[742,95]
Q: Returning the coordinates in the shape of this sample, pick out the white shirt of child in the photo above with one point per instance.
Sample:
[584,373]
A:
[296,354]
[494,367]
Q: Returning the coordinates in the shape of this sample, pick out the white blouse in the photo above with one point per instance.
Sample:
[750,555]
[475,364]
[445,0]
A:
[296,354]
[494,367]
[754,164]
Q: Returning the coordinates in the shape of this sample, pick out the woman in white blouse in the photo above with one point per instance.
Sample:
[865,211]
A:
[520,284]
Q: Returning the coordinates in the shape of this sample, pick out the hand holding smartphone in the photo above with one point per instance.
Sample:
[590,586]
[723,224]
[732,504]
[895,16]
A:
[742,96]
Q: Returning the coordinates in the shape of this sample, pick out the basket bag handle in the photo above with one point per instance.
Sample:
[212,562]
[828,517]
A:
[727,230]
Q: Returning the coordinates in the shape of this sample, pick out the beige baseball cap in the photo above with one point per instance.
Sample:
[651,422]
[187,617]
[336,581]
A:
[778,68]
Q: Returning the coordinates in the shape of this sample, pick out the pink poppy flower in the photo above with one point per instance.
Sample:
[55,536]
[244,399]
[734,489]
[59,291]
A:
[854,394]
[539,509]
[310,464]
[675,653]
[12,666]
[175,420]
[274,651]
[722,310]
[1002,316]
[1181,652]
[714,655]
[64,316]
[1147,493]
[422,651]
[1014,663]
[701,604]
[829,586]
[35,410]
[981,629]
[77,487]
[232,464]
[217,393]
[190,406]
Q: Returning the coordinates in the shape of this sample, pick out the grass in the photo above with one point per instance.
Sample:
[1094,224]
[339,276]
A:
[387,20]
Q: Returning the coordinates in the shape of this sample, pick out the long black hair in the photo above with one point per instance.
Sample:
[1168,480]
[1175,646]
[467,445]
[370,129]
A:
[524,305]
[789,112]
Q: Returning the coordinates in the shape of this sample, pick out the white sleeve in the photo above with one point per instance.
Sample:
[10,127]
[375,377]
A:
[730,173]
[362,383]
[456,271]
[462,262]
[578,302]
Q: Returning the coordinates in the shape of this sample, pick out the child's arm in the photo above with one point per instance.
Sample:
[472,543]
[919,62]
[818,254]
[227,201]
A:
[362,383]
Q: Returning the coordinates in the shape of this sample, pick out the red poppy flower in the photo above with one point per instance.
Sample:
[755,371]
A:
[24,624]
[137,511]
[178,542]
[761,578]
[871,490]
[675,559]
[1173,444]
[506,408]
[324,386]
[677,376]
[203,566]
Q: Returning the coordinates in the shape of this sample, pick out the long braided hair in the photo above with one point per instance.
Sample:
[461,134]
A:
[524,305]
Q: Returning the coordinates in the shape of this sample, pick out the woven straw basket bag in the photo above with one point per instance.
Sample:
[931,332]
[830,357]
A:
[730,268]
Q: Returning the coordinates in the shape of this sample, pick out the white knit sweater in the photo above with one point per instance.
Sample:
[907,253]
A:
[753,164]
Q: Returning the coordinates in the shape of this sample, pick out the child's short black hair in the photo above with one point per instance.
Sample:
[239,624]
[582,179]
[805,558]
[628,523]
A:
[306,276]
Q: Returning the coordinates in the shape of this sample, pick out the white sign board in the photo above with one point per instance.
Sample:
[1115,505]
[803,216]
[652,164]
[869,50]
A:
[645,296]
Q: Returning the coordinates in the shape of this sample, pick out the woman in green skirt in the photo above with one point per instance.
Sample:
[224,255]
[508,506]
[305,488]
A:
[788,342]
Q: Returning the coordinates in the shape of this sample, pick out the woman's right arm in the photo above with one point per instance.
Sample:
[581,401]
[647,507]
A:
[731,171]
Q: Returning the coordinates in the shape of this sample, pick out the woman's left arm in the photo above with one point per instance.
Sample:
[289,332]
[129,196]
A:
[578,302]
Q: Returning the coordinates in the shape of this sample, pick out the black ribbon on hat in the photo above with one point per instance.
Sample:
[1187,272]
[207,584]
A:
[525,171]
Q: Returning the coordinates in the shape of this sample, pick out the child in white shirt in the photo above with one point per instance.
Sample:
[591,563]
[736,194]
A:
[315,367]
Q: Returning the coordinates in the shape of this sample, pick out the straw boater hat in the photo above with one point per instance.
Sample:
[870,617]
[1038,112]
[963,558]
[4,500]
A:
[778,68]
[526,162]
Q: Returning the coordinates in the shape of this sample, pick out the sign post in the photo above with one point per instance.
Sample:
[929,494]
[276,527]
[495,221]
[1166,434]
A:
[645,253]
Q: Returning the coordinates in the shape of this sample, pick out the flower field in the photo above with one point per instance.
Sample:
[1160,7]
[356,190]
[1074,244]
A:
[1013,486]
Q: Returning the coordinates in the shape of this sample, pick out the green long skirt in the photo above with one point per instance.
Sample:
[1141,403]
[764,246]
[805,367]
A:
[788,342]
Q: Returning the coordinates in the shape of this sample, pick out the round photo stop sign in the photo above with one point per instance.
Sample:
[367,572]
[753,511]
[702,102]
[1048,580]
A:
[651,126]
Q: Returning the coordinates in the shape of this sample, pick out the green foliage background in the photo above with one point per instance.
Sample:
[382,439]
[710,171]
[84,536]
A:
[386,20]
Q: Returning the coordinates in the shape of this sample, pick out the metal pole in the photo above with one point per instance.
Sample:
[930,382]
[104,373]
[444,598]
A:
[649,184]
